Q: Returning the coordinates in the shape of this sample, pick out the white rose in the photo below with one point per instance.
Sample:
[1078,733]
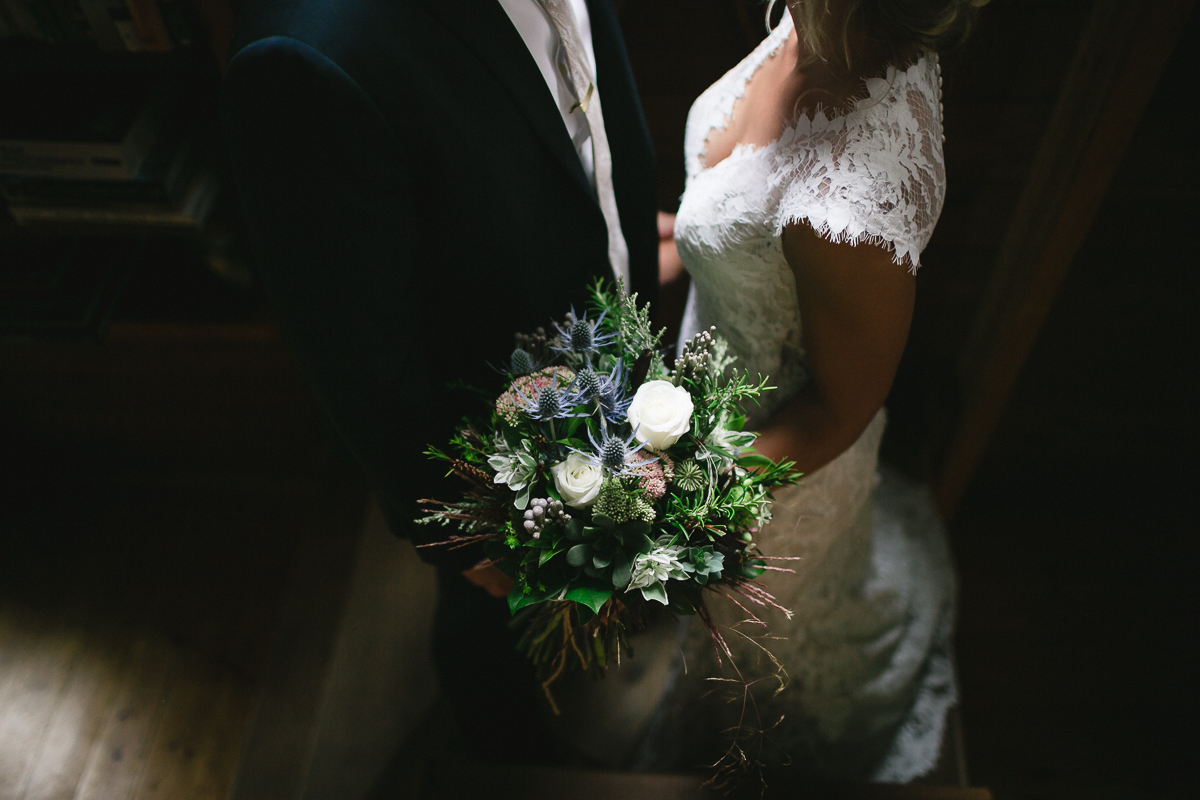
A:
[660,413]
[577,480]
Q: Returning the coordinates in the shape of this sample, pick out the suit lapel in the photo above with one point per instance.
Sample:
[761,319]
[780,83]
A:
[629,141]
[486,30]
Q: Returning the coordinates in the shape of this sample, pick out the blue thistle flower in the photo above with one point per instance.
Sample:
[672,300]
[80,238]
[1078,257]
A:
[583,335]
[521,362]
[551,402]
[609,390]
[612,453]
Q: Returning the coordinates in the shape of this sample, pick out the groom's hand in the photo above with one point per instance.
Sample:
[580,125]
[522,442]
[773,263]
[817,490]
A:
[488,577]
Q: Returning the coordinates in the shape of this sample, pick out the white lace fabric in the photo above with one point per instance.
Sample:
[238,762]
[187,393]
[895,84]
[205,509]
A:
[868,651]
[875,174]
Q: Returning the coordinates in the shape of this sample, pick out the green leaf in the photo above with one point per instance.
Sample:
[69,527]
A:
[622,569]
[592,598]
[655,591]
[754,460]
[522,499]
[578,555]
[752,569]
[575,529]
[602,560]
[547,555]
[517,601]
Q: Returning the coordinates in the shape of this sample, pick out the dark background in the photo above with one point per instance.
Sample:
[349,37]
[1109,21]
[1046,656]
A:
[171,468]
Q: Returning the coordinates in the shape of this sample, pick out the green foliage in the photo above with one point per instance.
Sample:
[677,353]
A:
[621,504]
[628,546]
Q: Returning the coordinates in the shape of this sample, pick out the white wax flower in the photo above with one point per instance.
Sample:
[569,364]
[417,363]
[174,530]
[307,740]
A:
[577,480]
[660,413]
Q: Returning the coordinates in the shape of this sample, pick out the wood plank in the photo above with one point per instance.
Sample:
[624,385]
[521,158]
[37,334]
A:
[45,654]
[447,780]
[175,760]
[279,744]
[226,737]
[79,717]
[196,745]
[119,755]
[1095,118]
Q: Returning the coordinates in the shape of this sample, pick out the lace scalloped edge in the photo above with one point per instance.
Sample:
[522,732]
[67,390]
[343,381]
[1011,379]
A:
[823,230]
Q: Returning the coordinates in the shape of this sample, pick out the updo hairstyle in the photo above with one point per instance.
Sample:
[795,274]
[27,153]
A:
[833,30]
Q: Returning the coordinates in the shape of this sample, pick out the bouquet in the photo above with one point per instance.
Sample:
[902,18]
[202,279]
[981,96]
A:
[604,482]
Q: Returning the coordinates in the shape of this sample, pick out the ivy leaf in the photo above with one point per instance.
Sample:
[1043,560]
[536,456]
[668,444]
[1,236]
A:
[592,598]
[517,601]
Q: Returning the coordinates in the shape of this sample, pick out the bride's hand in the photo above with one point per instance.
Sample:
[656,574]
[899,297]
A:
[488,577]
[670,266]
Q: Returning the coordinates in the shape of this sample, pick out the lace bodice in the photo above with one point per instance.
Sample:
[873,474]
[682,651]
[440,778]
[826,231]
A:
[875,174]
[868,649]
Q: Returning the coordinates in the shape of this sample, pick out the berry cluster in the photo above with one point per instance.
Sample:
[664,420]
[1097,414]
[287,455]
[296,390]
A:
[543,512]
[693,358]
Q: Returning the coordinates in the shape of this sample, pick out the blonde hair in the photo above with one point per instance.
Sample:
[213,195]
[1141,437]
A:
[829,29]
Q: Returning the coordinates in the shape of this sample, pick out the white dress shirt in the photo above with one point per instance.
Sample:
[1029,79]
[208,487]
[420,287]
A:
[544,45]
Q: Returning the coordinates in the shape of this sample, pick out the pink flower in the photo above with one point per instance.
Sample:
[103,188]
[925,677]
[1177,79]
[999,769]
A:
[653,475]
[509,404]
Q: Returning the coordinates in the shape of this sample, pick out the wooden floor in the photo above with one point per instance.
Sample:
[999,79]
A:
[131,661]
[94,713]
[157,500]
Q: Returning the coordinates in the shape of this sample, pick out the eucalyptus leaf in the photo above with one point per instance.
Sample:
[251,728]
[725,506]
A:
[575,529]
[578,555]
[622,569]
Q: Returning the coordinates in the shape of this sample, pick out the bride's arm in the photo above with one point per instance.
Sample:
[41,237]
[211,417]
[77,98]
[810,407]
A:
[856,305]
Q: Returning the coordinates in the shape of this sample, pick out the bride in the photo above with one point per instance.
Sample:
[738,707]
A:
[815,178]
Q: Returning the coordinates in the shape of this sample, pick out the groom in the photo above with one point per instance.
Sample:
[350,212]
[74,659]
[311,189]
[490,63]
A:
[421,179]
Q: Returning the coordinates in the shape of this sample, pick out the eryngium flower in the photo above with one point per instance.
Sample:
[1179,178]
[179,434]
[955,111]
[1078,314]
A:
[581,335]
[521,362]
[511,404]
[612,452]
[608,390]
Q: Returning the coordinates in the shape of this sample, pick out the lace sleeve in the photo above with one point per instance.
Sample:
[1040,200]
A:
[875,174]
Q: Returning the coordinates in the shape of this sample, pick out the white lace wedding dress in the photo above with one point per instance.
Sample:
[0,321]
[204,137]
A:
[867,654]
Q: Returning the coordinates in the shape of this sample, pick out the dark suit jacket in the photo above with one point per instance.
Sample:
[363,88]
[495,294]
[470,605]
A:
[413,199]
